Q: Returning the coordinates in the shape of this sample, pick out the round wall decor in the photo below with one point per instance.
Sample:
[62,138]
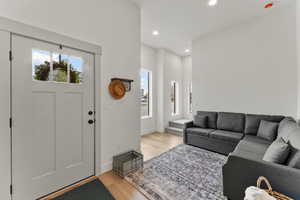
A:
[117,89]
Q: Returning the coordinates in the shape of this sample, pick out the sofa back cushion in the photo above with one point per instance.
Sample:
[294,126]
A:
[200,121]
[286,127]
[211,118]
[253,122]
[231,121]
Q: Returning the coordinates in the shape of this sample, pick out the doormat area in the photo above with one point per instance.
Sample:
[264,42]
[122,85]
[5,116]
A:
[94,190]
[183,173]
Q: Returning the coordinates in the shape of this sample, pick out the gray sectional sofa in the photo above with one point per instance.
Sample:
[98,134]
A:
[239,136]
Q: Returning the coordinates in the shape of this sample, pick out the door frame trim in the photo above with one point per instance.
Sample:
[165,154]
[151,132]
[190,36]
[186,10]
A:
[36,33]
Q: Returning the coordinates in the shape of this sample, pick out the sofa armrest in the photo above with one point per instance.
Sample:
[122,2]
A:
[187,125]
[240,173]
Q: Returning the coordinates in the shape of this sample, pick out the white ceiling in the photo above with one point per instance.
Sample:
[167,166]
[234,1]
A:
[181,21]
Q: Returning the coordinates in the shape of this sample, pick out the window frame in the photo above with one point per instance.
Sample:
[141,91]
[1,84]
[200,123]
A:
[175,92]
[190,98]
[150,93]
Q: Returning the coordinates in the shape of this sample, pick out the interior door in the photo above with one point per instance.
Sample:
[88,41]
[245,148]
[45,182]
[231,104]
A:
[4,116]
[53,113]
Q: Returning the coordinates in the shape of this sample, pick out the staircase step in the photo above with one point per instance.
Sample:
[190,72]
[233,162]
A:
[176,131]
[181,124]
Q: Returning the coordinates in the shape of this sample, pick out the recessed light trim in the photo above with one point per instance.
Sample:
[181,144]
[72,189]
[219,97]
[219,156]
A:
[212,3]
[155,33]
[187,50]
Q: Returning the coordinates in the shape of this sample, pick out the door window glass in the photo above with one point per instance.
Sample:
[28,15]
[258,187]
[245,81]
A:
[52,66]
[41,61]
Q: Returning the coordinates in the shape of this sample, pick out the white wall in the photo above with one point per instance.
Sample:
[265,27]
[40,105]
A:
[149,62]
[187,80]
[173,71]
[166,67]
[250,67]
[114,25]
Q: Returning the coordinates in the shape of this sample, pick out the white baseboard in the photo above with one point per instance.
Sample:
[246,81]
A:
[106,167]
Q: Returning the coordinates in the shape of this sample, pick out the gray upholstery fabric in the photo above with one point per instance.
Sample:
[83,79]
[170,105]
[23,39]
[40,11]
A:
[286,129]
[267,130]
[241,172]
[251,139]
[212,118]
[227,135]
[200,121]
[277,152]
[253,146]
[253,121]
[283,123]
[294,159]
[294,142]
[231,121]
[247,154]
[200,131]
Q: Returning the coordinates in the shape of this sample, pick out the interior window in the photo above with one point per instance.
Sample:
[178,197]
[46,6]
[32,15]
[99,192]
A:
[145,93]
[190,98]
[174,97]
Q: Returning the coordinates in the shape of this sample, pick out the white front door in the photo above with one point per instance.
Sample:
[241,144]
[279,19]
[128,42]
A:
[53,113]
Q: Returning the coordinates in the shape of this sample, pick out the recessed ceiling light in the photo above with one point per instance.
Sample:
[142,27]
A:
[187,51]
[212,3]
[155,33]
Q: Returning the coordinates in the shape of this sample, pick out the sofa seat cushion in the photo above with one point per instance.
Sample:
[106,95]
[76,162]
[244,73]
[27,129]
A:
[231,122]
[253,121]
[252,147]
[199,131]
[211,118]
[247,154]
[228,136]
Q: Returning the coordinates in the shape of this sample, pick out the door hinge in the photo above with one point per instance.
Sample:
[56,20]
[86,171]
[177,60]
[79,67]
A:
[10,122]
[11,189]
[10,55]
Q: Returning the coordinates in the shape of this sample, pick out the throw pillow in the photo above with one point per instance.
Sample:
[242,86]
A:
[200,121]
[267,130]
[277,152]
[294,160]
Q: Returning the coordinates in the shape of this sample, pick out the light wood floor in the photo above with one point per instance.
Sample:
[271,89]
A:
[151,145]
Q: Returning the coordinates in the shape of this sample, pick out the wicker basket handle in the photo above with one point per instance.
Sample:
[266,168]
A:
[265,180]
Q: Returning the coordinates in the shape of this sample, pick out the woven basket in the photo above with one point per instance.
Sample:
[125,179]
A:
[270,191]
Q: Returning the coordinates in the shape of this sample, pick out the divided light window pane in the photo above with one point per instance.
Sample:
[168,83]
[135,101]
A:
[41,61]
[145,93]
[47,66]
[60,68]
[76,70]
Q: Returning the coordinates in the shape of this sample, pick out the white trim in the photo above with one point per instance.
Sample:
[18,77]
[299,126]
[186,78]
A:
[47,36]
[28,31]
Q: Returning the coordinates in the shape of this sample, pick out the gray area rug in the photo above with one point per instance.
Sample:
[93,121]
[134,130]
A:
[183,173]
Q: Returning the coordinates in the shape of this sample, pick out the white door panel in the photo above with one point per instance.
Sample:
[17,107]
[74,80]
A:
[53,143]
[4,116]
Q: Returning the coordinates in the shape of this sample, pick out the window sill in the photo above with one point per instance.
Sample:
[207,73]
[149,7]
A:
[146,117]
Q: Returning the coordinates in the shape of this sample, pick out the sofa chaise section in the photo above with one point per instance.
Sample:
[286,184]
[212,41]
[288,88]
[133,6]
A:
[246,163]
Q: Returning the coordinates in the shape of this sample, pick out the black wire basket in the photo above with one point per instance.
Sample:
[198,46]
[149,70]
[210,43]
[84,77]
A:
[127,163]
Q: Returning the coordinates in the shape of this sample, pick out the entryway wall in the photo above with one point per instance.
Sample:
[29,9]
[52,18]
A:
[115,25]
[7,29]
